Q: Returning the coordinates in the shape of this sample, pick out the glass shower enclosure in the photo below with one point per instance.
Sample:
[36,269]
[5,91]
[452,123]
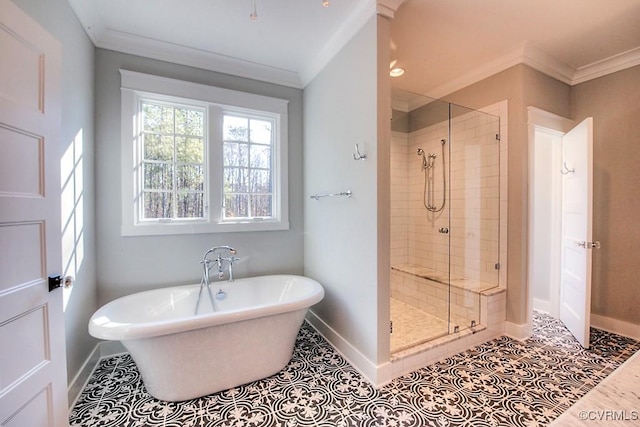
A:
[445,217]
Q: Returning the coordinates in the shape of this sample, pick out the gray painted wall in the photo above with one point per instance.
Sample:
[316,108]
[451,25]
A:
[614,103]
[59,20]
[130,264]
[340,244]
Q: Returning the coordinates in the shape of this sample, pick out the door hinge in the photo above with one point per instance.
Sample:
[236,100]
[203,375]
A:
[497,266]
[497,137]
[390,326]
[54,282]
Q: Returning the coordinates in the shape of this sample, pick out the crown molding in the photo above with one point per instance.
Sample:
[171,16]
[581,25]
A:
[622,61]
[388,8]
[170,52]
[547,64]
[364,10]
[106,38]
[539,60]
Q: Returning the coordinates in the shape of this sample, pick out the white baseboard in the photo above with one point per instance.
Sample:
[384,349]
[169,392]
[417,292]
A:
[366,367]
[516,331]
[82,376]
[616,326]
[101,350]
[542,305]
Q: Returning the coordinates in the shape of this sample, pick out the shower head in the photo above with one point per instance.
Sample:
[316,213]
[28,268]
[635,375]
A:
[424,159]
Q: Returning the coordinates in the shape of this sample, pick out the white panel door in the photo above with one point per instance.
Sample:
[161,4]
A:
[575,273]
[33,383]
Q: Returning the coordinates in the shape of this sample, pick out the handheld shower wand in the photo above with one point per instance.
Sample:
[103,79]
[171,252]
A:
[428,165]
[424,158]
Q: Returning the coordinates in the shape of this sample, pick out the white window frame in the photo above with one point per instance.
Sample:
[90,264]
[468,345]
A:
[136,85]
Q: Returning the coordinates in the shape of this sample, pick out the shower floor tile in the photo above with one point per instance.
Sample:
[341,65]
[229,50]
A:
[412,326]
[500,383]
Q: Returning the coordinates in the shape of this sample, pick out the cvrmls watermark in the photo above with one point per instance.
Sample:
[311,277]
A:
[609,415]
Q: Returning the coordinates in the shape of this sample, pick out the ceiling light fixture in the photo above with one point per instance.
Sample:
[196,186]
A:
[325,3]
[396,72]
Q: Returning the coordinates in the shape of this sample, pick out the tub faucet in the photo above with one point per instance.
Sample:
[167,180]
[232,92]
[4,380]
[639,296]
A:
[207,264]
[231,260]
[219,261]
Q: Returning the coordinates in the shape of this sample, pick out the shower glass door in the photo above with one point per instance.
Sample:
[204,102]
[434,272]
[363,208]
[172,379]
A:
[420,305]
[445,217]
[474,215]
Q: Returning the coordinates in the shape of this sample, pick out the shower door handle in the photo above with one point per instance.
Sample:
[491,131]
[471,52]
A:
[443,230]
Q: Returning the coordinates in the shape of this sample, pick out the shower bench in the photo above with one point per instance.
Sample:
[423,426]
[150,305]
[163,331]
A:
[447,297]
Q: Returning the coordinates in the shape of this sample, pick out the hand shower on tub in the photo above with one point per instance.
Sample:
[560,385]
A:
[207,264]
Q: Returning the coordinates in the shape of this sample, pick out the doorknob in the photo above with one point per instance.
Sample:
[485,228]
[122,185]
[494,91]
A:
[68,281]
[589,245]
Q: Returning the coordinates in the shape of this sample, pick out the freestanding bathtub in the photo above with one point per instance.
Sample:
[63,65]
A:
[181,355]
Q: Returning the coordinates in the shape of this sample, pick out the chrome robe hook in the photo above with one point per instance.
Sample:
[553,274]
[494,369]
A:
[565,170]
[357,155]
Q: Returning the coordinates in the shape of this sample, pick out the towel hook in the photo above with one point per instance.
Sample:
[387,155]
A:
[565,170]
[357,155]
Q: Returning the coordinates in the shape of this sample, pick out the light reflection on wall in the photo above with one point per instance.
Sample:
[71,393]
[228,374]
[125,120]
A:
[72,200]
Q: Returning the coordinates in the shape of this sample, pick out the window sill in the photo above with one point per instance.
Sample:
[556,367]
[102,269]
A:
[164,229]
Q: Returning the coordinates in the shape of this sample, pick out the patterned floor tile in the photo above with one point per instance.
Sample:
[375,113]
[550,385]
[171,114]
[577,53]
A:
[259,394]
[503,382]
[302,404]
[444,404]
[381,412]
[348,388]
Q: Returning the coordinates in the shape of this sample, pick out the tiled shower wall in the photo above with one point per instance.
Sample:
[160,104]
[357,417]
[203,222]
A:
[399,197]
[475,197]
[473,212]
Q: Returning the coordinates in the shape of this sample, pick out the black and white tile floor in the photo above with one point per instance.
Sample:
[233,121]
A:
[501,383]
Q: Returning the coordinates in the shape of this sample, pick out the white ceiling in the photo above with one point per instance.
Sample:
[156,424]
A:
[443,45]
[288,44]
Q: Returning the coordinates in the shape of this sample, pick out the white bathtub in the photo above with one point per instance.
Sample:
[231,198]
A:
[181,356]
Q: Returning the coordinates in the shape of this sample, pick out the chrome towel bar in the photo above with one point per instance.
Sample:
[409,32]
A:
[347,193]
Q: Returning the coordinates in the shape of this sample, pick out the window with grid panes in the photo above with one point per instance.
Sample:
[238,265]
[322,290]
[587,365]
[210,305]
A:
[173,160]
[208,160]
[247,185]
